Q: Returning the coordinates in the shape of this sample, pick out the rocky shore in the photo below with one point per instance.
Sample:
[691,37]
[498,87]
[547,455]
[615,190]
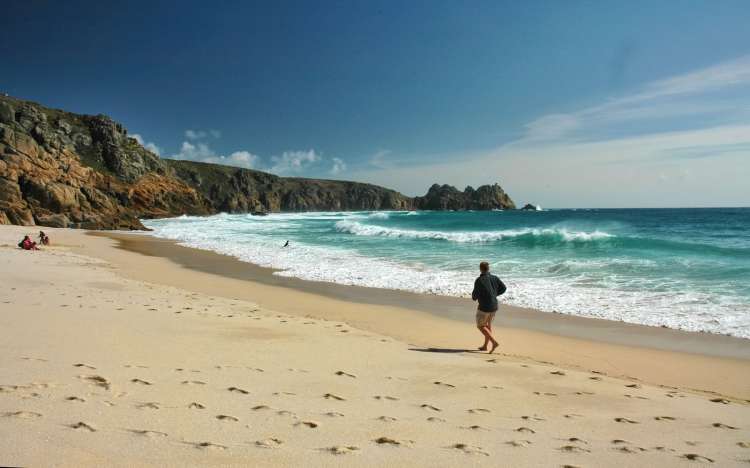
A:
[62,169]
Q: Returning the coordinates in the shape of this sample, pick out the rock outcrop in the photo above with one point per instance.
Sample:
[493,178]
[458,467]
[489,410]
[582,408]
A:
[446,197]
[68,170]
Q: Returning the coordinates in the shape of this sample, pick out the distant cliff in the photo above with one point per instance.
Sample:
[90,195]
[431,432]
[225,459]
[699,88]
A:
[69,170]
[446,197]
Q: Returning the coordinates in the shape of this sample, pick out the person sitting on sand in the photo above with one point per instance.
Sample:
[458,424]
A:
[43,238]
[486,289]
[28,244]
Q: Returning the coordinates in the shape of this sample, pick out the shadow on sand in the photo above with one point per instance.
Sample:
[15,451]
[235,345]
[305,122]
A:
[444,350]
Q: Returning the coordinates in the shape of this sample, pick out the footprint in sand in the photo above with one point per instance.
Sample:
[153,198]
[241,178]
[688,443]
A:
[342,373]
[573,449]
[696,457]
[148,405]
[475,427]
[557,372]
[82,426]
[572,415]
[310,424]
[286,413]
[635,385]
[525,429]
[723,401]
[743,444]
[532,418]
[147,433]
[260,407]
[195,405]
[238,390]
[625,420]
[469,449]
[444,384]
[595,378]
[75,398]
[478,411]
[140,382]
[386,397]
[334,414]
[341,449]
[85,366]
[576,440]
[545,394]
[495,387]
[193,382]
[22,414]
[271,442]
[331,396]
[585,393]
[435,419]
[387,441]
[518,443]
[226,417]
[628,449]
[387,419]
[724,426]
[208,445]
[429,407]
[97,380]
[664,418]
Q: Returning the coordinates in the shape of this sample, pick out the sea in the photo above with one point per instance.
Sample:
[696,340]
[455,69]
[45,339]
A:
[687,269]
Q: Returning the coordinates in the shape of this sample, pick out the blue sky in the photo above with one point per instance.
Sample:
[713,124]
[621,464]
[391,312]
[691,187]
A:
[564,103]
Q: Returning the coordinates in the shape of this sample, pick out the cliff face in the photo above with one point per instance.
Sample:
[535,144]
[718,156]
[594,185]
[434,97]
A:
[446,197]
[68,170]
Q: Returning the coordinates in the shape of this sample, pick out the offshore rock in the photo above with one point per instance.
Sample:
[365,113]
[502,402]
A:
[447,197]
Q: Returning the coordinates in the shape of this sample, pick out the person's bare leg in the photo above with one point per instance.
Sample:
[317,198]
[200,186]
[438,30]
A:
[488,337]
[486,340]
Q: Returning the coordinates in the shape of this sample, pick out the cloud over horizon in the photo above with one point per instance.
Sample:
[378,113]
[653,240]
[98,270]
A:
[671,141]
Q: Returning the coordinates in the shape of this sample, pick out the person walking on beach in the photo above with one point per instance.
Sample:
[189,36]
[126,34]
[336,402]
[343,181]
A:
[486,289]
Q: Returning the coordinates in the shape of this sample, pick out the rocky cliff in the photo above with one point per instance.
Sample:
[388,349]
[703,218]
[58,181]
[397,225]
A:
[447,197]
[69,170]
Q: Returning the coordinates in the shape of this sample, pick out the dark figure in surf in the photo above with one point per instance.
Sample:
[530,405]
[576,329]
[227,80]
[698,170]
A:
[287,244]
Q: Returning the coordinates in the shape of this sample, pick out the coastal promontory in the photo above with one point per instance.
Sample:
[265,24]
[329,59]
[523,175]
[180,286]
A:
[63,169]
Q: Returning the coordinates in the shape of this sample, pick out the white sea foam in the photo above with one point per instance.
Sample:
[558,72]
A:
[569,290]
[361,229]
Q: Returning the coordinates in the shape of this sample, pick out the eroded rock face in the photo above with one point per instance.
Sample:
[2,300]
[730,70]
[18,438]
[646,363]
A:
[63,170]
[447,197]
[68,170]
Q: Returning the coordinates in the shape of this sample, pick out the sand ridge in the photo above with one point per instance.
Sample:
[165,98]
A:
[103,370]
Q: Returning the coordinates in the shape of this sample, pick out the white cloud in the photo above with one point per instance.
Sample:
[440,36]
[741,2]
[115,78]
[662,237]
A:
[680,141]
[338,166]
[201,152]
[294,162]
[379,159]
[202,134]
[194,134]
[151,146]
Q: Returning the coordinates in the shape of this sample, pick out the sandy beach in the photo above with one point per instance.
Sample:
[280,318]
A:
[124,350]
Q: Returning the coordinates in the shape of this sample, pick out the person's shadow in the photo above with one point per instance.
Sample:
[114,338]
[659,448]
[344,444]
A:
[444,350]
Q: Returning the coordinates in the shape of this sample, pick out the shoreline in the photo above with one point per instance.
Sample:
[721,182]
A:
[453,308]
[682,359]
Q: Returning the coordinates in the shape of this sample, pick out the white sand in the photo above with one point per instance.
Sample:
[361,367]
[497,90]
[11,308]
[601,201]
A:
[96,369]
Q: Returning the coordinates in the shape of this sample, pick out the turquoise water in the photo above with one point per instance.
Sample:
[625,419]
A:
[680,268]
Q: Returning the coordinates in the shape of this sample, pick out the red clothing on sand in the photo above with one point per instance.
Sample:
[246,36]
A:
[28,245]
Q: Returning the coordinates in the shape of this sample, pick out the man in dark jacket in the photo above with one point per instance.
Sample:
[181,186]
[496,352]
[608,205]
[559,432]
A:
[486,289]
